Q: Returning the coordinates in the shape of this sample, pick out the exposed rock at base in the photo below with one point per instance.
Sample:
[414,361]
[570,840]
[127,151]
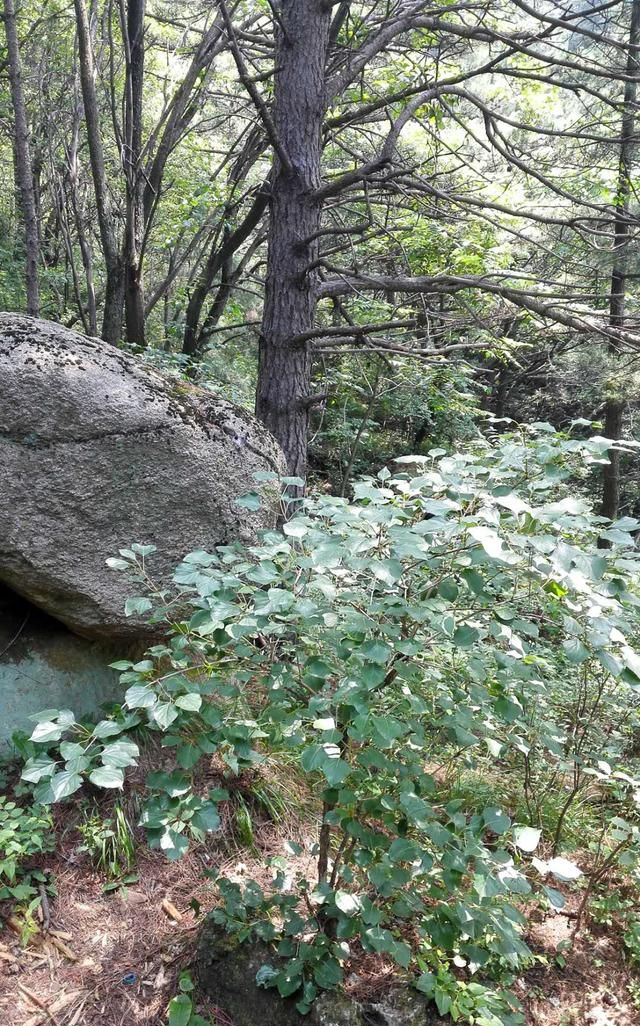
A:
[44,666]
[97,451]
[226,972]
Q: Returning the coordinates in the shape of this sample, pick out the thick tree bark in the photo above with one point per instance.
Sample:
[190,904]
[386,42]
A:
[23,166]
[114,269]
[615,406]
[284,370]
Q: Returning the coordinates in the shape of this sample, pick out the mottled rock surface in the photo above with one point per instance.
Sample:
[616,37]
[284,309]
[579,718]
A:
[226,973]
[98,450]
[44,666]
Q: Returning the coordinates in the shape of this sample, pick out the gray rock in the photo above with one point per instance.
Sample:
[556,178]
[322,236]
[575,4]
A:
[226,971]
[98,450]
[44,666]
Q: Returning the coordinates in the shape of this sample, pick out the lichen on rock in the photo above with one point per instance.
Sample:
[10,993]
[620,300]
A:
[98,451]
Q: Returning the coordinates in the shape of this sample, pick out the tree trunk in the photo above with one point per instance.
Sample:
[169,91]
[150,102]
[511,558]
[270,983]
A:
[613,421]
[24,171]
[133,36]
[615,406]
[114,270]
[284,371]
[90,320]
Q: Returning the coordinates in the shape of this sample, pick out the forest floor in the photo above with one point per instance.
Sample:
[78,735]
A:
[113,959]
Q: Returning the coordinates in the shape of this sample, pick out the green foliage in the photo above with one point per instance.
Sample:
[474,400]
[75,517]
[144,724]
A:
[24,834]
[378,408]
[72,751]
[428,622]
[610,908]
[180,1010]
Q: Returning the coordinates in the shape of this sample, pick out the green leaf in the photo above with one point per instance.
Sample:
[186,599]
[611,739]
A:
[71,750]
[190,702]
[336,771]
[426,984]
[120,753]
[404,850]
[45,714]
[448,589]
[465,636]
[328,974]
[575,650]
[266,976]
[554,897]
[107,776]
[64,784]
[143,550]
[164,713]
[38,768]
[496,820]
[349,904]
[526,838]
[187,755]
[288,983]
[376,651]
[173,844]
[610,663]
[250,500]
[180,1010]
[206,818]
[295,529]
[47,731]
[312,758]
[106,728]
[137,606]
[174,784]
[118,564]
[140,696]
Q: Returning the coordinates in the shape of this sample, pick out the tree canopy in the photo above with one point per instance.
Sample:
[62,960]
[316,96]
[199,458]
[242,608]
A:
[334,193]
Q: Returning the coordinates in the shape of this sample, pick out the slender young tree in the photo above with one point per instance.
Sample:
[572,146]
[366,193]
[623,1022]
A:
[114,267]
[132,26]
[23,164]
[623,225]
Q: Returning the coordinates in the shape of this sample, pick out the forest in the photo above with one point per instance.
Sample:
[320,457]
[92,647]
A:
[372,757]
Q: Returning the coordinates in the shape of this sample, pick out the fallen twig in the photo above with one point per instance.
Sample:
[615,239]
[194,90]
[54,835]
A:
[61,1002]
[35,1000]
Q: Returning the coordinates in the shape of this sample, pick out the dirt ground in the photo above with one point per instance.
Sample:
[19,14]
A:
[113,959]
[590,990]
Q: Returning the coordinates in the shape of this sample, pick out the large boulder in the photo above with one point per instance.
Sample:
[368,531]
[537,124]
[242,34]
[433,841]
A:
[99,450]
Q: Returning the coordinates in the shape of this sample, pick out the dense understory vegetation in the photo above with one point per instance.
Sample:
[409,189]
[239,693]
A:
[450,662]
[434,662]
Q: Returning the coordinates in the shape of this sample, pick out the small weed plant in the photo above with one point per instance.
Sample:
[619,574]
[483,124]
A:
[109,843]
[461,617]
[25,834]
